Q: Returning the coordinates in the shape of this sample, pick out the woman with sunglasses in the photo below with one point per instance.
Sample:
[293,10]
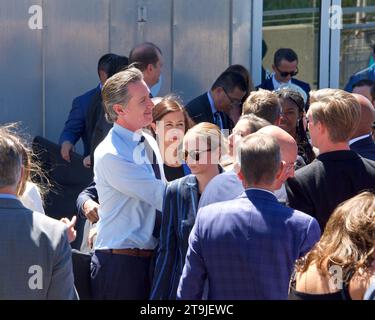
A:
[202,146]
[170,123]
[291,120]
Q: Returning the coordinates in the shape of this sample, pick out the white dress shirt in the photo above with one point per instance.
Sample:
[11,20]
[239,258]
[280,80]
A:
[128,191]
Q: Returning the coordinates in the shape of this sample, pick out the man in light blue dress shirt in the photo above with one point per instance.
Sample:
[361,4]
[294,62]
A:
[128,190]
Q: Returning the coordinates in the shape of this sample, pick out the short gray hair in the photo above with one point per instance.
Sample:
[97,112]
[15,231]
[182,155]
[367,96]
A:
[10,162]
[254,122]
[115,90]
[260,158]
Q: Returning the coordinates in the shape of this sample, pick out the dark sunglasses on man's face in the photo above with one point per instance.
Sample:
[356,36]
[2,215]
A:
[284,74]
[194,154]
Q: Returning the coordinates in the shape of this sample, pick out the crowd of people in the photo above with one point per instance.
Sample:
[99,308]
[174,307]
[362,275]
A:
[241,193]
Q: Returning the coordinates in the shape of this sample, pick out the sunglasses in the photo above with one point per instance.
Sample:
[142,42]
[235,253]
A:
[194,154]
[284,74]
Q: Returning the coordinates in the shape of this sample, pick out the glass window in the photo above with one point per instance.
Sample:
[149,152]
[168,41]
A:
[292,24]
[357,35]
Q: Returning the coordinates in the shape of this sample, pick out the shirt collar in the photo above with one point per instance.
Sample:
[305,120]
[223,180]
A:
[262,190]
[277,84]
[8,196]
[127,134]
[212,103]
[359,138]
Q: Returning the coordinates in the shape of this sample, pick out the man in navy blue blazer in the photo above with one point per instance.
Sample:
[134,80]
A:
[362,141]
[75,126]
[285,67]
[367,73]
[247,247]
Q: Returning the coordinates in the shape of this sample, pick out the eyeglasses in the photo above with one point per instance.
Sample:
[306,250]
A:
[284,74]
[233,102]
[194,154]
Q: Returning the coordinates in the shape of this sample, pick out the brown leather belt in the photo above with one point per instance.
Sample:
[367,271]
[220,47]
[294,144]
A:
[130,252]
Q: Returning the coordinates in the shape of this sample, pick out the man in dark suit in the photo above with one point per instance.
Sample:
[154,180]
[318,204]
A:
[35,255]
[214,106]
[362,141]
[285,67]
[75,126]
[338,173]
[247,247]
[148,58]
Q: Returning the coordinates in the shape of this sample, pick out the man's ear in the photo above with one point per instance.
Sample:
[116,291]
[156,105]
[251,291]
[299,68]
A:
[240,175]
[273,67]
[149,68]
[118,108]
[281,171]
[280,177]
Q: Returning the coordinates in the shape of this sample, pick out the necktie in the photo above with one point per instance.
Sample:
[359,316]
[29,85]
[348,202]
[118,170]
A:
[217,119]
[155,167]
[152,157]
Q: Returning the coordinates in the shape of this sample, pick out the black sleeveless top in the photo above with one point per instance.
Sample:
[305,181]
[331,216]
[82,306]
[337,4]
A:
[342,294]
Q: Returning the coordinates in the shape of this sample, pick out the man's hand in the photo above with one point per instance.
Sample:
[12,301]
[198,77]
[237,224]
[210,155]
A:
[72,233]
[66,148]
[90,209]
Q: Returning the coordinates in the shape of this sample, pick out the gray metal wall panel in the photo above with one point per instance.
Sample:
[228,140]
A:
[20,66]
[201,42]
[76,35]
[127,30]
[241,33]
[197,38]
[123,26]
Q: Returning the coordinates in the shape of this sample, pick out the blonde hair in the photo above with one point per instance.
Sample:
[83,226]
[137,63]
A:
[337,110]
[209,133]
[115,90]
[348,240]
[264,104]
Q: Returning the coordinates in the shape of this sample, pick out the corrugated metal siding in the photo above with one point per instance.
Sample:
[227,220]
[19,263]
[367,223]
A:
[43,70]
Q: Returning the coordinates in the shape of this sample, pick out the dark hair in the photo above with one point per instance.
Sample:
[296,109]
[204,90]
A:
[246,75]
[168,104]
[292,95]
[105,61]
[229,80]
[284,54]
[304,147]
[144,54]
[366,83]
[117,64]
